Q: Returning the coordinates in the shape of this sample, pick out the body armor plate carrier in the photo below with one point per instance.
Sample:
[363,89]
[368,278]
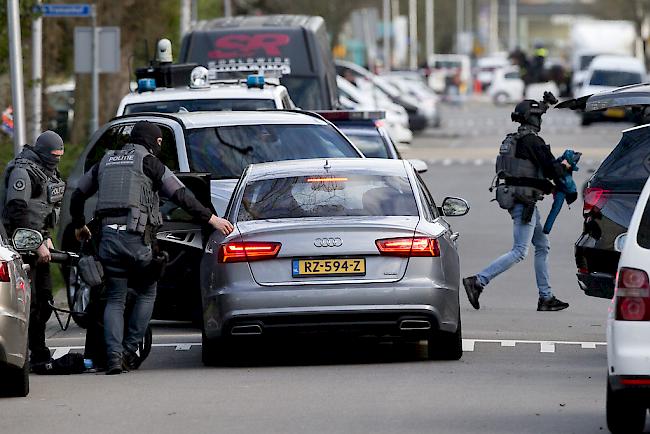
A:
[518,178]
[123,186]
[44,207]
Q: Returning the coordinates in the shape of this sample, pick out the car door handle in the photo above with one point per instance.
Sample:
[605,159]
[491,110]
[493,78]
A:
[454,236]
[174,237]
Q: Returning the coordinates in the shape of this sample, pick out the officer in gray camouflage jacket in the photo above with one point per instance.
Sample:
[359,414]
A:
[32,199]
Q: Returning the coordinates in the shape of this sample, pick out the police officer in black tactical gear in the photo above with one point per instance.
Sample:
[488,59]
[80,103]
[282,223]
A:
[33,194]
[524,167]
[127,182]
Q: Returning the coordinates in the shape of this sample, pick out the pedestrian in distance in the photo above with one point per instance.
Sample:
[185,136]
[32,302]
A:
[525,166]
[128,182]
[33,192]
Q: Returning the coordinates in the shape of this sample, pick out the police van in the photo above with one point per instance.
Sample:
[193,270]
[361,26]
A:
[297,44]
[207,91]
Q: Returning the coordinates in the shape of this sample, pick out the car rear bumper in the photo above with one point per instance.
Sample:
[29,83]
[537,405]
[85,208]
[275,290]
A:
[362,309]
[13,339]
[628,348]
[596,284]
[638,386]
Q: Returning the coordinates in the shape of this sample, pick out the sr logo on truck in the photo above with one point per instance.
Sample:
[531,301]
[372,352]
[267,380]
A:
[244,45]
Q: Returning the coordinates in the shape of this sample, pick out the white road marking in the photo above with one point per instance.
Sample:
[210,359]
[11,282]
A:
[469,345]
[546,347]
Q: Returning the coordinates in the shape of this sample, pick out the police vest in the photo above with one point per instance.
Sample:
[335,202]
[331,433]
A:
[125,192]
[523,176]
[44,206]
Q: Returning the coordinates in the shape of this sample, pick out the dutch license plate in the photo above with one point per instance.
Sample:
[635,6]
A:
[615,113]
[328,267]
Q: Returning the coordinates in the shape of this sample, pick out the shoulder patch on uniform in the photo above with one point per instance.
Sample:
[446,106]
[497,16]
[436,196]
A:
[19,185]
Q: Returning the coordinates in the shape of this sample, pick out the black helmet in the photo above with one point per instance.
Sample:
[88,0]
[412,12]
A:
[528,112]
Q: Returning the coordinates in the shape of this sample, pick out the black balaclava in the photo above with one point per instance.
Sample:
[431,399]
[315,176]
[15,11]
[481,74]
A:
[47,142]
[146,134]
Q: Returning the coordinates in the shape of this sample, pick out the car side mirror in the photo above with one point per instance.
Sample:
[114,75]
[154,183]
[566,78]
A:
[619,242]
[419,165]
[26,240]
[454,207]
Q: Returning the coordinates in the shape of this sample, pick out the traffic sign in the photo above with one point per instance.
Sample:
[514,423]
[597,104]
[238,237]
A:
[66,10]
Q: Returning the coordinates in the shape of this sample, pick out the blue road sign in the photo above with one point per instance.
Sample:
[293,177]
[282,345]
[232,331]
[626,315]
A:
[66,10]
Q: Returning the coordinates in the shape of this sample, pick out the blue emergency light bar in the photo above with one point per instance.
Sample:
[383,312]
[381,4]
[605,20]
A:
[255,81]
[146,84]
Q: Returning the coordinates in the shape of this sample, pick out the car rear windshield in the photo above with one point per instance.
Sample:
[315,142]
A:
[614,78]
[627,167]
[226,151]
[643,235]
[196,105]
[340,194]
[370,145]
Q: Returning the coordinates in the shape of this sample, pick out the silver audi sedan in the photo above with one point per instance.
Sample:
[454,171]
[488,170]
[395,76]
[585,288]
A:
[342,245]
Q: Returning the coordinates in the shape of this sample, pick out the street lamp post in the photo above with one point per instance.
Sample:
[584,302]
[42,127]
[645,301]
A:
[512,25]
[16,67]
[37,74]
[387,31]
[429,26]
[413,33]
[460,23]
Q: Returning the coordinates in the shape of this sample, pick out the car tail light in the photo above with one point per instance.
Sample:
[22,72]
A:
[405,247]
[632,295]
[4,272]
[248,251]
[595,197]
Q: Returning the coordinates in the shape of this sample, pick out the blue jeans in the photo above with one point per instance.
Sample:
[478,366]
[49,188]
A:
[523,234]
[124,254]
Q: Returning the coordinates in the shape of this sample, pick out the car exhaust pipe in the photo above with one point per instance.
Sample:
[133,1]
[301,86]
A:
[246,330]
[414,324]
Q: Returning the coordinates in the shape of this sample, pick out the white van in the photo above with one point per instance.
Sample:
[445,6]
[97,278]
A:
[607,73]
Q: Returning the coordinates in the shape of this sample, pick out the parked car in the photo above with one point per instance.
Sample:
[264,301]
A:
[415,86]
[353,98]
[485,67]
[612,191]
[366,130]
[508,87]
[606,73]
[15,300]
[297,45]
[628,327]
[372,83]
[321,246]
[215,147]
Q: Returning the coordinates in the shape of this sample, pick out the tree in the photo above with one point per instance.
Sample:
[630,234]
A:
[142,23]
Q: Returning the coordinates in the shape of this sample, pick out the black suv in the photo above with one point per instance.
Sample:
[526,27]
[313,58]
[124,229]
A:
[613,191]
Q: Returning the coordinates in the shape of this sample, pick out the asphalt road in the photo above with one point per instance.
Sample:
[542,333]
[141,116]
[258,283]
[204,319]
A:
[522,372]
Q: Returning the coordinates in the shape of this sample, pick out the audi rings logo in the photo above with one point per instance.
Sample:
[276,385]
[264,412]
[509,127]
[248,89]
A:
[328,242]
